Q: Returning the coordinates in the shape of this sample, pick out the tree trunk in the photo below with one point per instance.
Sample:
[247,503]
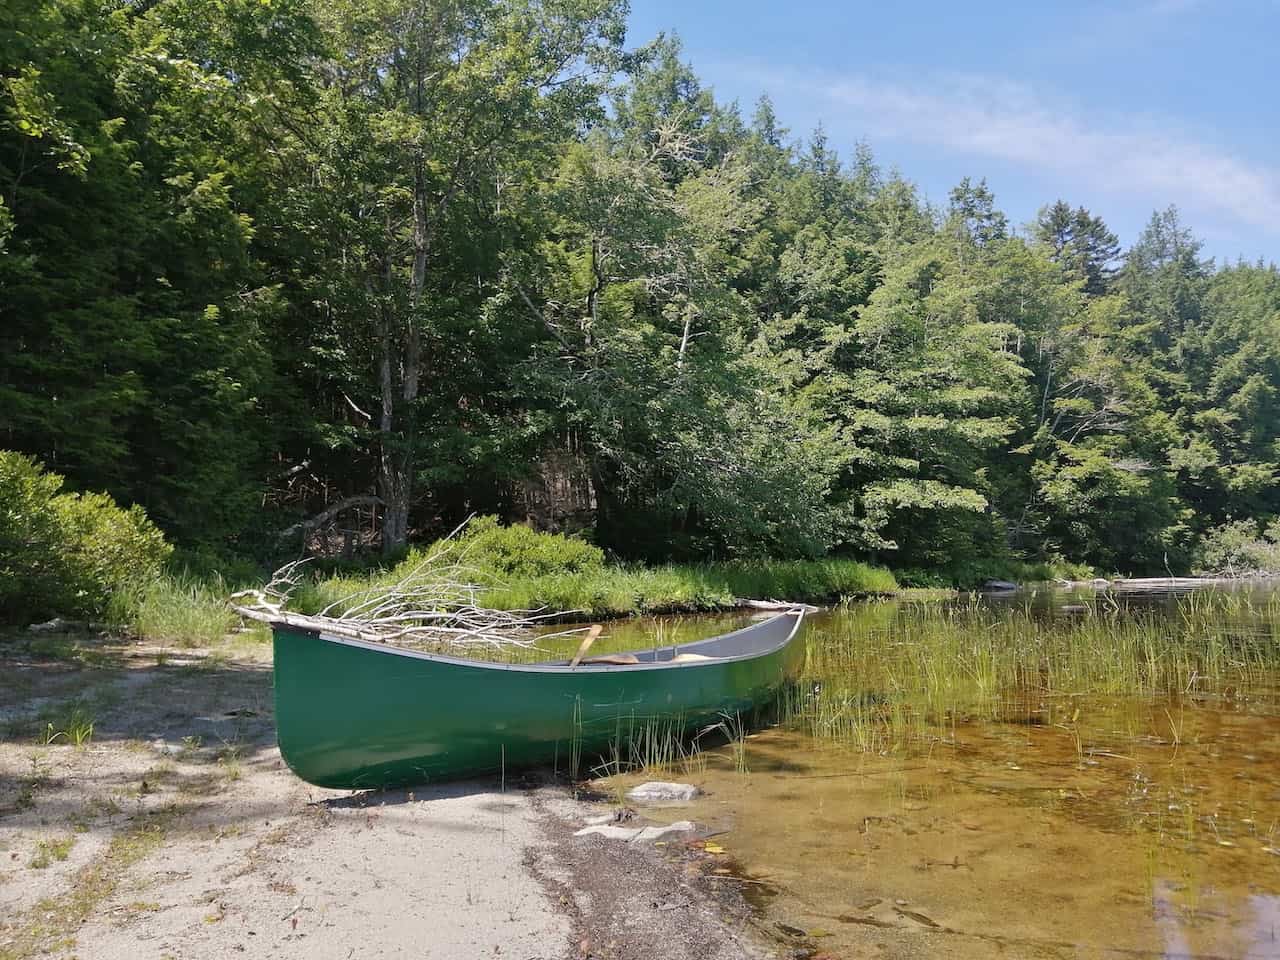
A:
[393,455]
[395,516]
[399,422]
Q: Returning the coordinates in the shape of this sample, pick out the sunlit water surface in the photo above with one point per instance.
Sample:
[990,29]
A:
[1034,820]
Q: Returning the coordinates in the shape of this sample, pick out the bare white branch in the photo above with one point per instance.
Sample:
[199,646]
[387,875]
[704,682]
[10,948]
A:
[435,603]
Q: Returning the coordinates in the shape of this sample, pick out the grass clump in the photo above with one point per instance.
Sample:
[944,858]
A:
[175,608]
[76,728]
[49,850]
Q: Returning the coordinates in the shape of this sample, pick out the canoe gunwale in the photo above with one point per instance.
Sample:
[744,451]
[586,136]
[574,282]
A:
[563,668]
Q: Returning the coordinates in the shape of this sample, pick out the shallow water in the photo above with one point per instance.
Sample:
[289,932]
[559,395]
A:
[1065,816]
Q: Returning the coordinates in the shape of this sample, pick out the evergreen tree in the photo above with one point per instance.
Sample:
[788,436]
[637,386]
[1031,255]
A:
[1081,243]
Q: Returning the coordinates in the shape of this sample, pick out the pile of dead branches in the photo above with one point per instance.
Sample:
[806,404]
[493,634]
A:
[435,604]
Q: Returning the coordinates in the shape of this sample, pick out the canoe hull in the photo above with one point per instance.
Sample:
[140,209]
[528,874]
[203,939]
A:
[352,715]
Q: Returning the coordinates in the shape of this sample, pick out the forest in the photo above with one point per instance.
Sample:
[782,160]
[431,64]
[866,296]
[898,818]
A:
[338,275]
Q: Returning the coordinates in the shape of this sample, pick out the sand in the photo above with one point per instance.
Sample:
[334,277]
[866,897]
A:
[185,836]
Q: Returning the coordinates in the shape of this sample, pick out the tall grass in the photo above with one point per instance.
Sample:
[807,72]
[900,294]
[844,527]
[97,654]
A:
[619,591]
[884,677]
[175,608]
[516,569]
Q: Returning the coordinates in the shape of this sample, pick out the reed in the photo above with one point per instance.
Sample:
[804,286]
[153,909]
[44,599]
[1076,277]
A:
[888,677]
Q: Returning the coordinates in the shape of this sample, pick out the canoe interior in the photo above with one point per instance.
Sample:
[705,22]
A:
[353,715]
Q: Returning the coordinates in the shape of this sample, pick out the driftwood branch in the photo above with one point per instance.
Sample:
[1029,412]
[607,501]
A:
[58,625]
[434,603]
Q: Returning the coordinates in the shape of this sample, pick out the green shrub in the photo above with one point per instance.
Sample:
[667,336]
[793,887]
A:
[494,551]
[66,553]
[1238,547]
[521,569]
[676,588]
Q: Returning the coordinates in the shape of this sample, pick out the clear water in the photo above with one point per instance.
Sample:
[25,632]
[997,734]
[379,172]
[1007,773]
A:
[1032,806]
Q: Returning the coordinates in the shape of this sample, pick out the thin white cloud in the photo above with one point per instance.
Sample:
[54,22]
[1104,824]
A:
[1168,8]
[1008,122]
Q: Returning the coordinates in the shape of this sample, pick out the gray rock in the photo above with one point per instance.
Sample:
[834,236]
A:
[636,834]
[658,791]
[621,815]
[999,585]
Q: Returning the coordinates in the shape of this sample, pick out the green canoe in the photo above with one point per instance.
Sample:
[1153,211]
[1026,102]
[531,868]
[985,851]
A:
[353,715]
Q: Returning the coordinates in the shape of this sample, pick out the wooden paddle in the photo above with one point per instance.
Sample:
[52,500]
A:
[587,641]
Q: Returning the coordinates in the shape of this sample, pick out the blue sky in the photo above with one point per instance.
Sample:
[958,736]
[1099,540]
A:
[1121,107]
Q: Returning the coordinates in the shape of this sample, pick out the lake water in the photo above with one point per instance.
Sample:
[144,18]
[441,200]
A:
[1045,775]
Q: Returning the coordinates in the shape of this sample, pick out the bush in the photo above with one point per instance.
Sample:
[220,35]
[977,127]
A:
[66,553]
[1239,548]
[491,549]
[521,569]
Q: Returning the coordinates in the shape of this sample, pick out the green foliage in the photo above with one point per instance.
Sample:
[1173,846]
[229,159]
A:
[135,359]
[520,569]
[174,608]
[258,258]
[675,588]
[66,553]
[1237,548]
[495,551]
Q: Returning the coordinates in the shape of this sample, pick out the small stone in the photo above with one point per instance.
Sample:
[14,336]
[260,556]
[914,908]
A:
[658,791]
[620,815]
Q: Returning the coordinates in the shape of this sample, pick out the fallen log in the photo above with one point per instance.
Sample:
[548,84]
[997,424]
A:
[59,625]
[324,516]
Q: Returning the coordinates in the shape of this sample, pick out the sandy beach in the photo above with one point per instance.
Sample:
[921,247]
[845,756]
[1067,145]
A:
[174,829]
